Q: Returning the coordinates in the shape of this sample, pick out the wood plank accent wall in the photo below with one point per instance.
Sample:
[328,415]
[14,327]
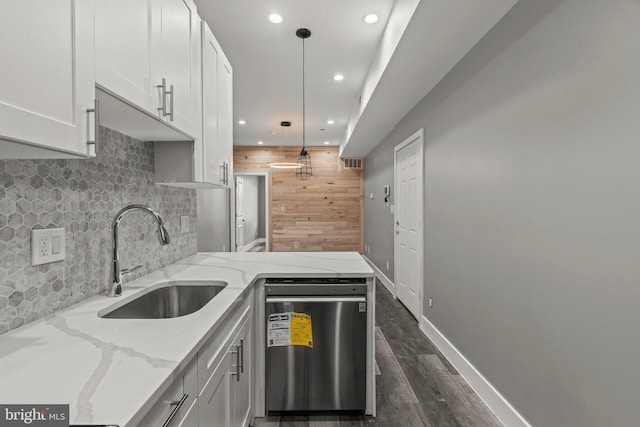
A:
[323,213]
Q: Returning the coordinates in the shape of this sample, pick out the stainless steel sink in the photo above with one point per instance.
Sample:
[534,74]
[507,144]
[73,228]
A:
[174,299]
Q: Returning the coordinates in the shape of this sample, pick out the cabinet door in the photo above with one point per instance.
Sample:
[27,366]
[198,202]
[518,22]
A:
[211,158]
[214,402]
[47,77]
[242,388]
[190,419]
[179,64]
[127,44]
[225,114]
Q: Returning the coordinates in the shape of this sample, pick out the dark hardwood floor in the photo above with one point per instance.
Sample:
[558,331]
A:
[415,384]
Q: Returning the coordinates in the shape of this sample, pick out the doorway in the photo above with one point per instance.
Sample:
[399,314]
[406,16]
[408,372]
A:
[252,207]
[408,219]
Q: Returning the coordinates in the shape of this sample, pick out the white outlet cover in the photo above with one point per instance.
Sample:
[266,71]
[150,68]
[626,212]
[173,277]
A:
[42,246]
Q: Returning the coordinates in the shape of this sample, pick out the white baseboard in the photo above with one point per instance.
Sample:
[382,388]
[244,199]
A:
[252,244]
[391,287]
[502,409]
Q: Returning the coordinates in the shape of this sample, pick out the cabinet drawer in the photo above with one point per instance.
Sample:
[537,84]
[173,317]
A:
[184,385]
[213,351]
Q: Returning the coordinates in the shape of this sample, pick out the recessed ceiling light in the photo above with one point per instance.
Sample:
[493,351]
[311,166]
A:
[327,143]
[275,18]
[370,18]
[241,122]
[260,142]
[330,122]
[338,77]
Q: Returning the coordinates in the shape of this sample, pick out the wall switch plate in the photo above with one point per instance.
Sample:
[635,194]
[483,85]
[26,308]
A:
[184,223]
[387,265]
[430,302]
[47,245]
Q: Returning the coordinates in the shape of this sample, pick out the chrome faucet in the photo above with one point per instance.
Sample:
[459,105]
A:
[117,273]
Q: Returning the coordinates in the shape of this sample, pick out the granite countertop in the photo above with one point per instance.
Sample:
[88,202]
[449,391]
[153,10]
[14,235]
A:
[111,371]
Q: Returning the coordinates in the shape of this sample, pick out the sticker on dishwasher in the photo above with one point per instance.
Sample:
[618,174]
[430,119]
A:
[290,328]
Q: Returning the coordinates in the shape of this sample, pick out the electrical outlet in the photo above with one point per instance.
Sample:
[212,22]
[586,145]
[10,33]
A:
[184,223]
[43,248]
[47,245]
[387,265]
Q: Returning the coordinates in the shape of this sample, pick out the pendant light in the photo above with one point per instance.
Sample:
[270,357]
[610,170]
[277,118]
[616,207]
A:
[303,172]
[284,165]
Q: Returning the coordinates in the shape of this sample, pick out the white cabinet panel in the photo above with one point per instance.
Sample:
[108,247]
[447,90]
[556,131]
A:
[191,417]
[225,113]
[47,76]
[127,34]
[210,155]
[140,43]
[241,398]
[215,400]
[179,63]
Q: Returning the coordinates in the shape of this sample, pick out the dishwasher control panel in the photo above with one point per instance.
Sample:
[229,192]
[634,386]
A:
[315,286]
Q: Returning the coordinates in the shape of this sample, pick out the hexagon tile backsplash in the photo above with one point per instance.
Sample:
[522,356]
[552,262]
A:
[83,196]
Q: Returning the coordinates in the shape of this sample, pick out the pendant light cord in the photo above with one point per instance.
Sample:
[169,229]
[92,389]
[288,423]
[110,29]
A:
[303,101]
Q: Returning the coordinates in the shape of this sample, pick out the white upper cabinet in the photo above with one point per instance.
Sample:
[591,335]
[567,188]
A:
[127,34]
[208,162]
[180,64]
[148,55]
[47,78]
[217,111]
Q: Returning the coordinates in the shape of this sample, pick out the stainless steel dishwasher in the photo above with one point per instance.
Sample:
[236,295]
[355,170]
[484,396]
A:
[316,344]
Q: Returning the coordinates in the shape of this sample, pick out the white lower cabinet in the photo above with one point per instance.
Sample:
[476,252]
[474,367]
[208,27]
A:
[190,419]
[218,383]
[175,407]
[215,399]
[225,400]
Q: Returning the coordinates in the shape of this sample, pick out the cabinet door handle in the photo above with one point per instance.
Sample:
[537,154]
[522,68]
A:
[237,372]
[96,124]
[222,173]
[178,404]
[242,355]
[171,92]
[226,173]
[163,86]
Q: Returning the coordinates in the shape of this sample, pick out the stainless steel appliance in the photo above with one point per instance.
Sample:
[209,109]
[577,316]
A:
[329,371]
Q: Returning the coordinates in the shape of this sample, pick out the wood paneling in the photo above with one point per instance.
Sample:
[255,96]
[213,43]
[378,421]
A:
[323,213]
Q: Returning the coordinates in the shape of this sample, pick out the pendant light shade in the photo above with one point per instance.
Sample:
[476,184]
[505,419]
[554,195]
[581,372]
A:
[304,160]
[284,165]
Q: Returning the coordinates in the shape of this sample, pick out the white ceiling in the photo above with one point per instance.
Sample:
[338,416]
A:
[390,68]
[267,64]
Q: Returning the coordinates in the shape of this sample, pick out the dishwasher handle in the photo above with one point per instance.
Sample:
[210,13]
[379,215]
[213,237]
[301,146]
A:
[329,299]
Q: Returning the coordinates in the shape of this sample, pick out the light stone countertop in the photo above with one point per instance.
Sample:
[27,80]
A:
[111,371]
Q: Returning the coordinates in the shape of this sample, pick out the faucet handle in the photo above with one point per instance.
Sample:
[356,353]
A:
[125,271]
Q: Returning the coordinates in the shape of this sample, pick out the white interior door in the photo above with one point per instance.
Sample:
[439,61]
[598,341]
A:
[408,222]
[239,213]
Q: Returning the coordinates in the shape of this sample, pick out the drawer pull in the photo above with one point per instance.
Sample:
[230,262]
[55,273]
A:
[178,404]
[242,355]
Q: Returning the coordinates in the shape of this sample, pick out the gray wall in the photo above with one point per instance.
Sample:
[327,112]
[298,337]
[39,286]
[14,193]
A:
[83,196]
[378,218]
[532,209]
